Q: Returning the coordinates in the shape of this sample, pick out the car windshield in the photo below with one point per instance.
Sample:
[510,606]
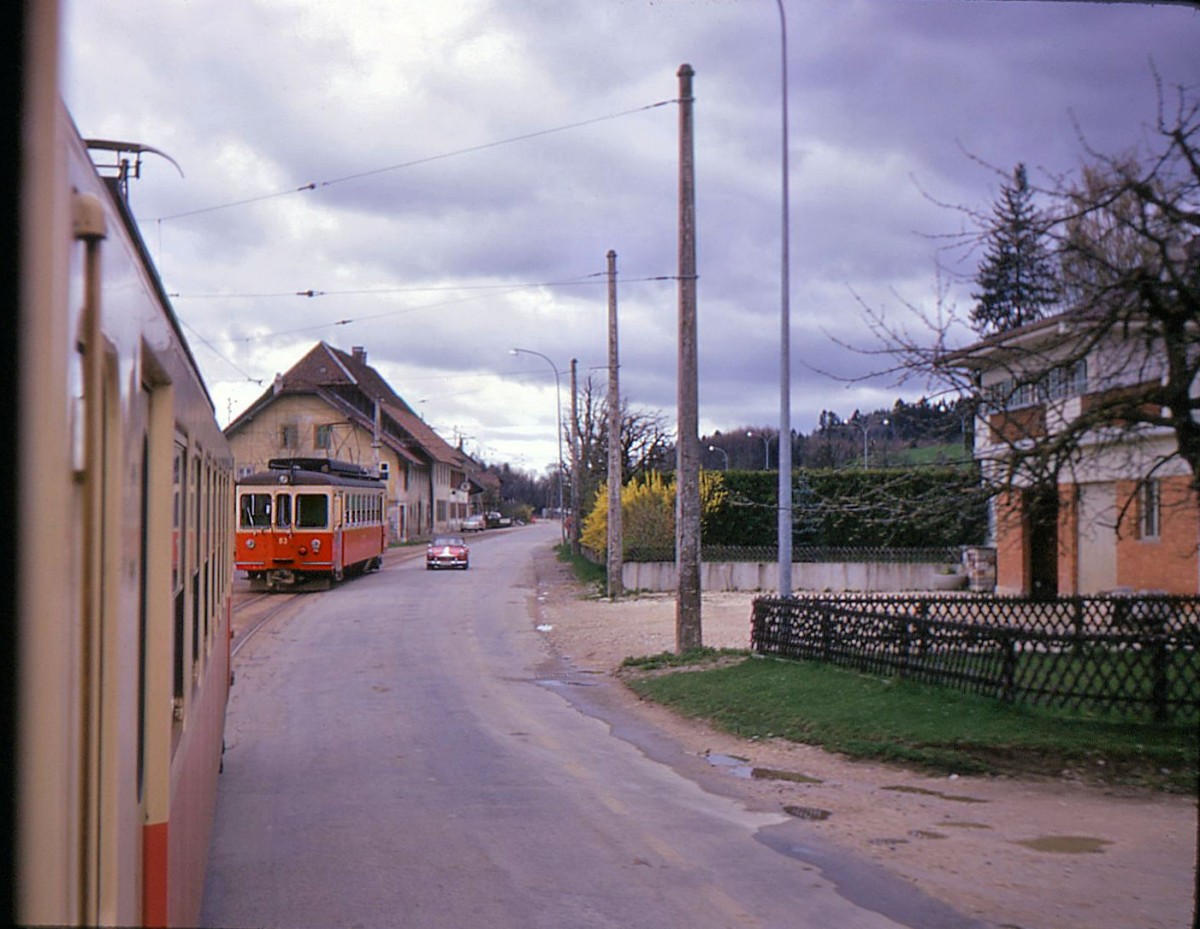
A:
[443,540]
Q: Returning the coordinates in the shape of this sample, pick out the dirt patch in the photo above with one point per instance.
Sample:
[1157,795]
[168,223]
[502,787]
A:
[1020,860]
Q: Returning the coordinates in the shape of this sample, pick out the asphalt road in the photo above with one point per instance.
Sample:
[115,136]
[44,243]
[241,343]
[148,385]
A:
[404,750]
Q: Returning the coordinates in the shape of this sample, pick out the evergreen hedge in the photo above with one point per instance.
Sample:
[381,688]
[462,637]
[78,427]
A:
[892,507]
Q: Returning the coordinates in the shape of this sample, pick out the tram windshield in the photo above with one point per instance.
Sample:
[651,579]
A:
[255,510]
[283,510]
[312,511]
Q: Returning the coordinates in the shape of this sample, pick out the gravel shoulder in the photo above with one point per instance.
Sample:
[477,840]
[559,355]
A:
[1019,853]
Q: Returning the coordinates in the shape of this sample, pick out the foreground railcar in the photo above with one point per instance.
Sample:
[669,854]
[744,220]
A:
[307,522]
[124,485]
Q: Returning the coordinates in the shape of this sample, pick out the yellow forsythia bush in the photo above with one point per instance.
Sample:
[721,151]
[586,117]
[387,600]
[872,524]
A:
[647,511]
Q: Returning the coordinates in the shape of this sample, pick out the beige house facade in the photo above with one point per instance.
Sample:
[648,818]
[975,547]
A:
[332,404]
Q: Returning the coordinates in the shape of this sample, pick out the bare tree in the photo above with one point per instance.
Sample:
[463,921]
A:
[646,444]
[1126,234]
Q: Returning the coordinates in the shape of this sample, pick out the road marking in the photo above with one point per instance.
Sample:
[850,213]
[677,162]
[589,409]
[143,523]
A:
[666,852]
[613,804]
[729,906]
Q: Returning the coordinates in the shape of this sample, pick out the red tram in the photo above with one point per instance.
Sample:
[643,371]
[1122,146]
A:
[123,492]
[309,522]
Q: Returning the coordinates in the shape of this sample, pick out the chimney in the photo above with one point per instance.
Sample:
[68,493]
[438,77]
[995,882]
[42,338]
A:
[278,385]
[359,354]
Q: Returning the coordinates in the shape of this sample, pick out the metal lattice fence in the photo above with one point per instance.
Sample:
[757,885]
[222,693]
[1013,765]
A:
[1131,656]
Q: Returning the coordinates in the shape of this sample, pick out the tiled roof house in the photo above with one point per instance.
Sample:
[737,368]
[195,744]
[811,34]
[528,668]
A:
[333,404]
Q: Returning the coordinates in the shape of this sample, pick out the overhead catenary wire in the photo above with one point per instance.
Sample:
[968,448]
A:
[374,172]
[383,291]
[497,289]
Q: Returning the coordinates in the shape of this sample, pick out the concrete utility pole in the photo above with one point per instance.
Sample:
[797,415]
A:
[576,515]
[616,537]
[785,352]
[687,470]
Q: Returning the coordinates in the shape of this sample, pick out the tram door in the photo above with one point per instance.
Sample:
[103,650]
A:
[110,827]
[178,574]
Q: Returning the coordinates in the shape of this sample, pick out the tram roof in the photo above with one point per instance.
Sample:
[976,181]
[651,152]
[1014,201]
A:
[312,471]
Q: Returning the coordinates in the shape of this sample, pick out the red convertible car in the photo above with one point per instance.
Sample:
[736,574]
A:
[447,551]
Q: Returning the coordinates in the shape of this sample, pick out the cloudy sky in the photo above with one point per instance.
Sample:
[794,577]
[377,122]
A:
[447,177]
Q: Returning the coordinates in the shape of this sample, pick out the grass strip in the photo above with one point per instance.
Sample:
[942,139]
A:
[927,727]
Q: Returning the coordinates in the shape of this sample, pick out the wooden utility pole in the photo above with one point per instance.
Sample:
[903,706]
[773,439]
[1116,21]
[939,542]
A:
[576,515]
[687,470]
[616,538]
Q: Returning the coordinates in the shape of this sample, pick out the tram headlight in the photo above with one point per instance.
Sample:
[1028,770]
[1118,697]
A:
[250,543]
[316,545]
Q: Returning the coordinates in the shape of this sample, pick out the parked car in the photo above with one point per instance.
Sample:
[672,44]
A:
[474,523]
[447,551]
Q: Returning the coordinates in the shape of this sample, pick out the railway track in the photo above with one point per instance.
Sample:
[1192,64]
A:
[254,612]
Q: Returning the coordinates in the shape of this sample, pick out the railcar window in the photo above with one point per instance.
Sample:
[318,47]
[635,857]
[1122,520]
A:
[283,510]
[255,510]
[312,511]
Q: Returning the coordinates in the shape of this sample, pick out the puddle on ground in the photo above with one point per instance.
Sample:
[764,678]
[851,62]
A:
[738,767]
[807,812]
[926,792]
[965,825]
[888,842]
[1066,844]
[926,834]
[774,774]
[741,767]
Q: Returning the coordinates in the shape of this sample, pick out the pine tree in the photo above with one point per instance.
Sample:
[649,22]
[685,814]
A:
[1017,278]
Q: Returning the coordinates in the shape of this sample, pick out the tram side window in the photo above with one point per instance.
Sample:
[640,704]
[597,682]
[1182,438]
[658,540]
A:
[312,511]
[255,510]
[283,510]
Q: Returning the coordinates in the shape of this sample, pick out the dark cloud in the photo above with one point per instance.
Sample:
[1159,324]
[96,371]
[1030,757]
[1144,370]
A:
[894,105]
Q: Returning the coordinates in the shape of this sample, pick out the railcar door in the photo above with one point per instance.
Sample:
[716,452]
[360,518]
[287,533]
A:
[337,519]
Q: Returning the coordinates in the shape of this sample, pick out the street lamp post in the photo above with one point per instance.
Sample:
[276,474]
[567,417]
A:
[558,423]
[785,326]
[724,454]
[865,426]
[766,449]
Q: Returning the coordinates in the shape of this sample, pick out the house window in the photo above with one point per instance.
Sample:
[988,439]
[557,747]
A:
[289,436]
[1057,383]
[1067,380]
[1150,509]
[323,437]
